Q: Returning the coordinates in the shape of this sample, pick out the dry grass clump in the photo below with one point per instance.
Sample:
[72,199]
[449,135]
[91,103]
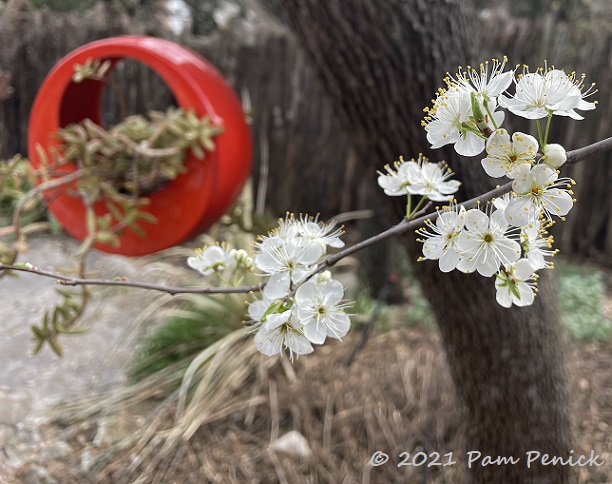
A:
[397,396]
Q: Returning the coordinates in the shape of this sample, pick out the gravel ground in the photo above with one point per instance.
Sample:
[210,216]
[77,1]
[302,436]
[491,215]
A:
[93,363]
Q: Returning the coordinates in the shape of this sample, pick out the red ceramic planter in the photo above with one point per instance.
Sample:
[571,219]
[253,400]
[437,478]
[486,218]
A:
[193,201]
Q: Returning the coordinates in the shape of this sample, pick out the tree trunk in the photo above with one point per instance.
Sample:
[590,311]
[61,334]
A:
[381,62]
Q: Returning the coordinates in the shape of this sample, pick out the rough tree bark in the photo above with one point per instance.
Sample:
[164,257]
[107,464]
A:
[381,62]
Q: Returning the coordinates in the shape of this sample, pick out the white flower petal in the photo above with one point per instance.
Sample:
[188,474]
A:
[557,202]
[448,261]
[519,211]
[277,286]
[503,298]
[470,145]
[315,332]
[476,220]
[523,269]
[332,293]
[434,248]
[526,295]
[339,325]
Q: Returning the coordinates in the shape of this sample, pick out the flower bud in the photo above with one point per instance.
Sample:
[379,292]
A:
[481,120]
[324,277]
[554,155]
[240,255]
[243,259]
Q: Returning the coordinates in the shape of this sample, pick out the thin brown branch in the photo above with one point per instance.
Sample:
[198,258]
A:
[407,225]
[121,281]
[9,229]
[581,154]
[404,226]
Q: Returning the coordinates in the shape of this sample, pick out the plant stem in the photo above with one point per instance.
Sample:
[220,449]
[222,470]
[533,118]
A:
[539,133]
[411,215]
[548,122]
[408,205]
[486,105]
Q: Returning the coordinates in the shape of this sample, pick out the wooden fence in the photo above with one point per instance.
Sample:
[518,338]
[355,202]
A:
[309,159]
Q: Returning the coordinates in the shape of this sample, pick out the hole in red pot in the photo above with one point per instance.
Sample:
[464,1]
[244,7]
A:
[129,91]
[132,87]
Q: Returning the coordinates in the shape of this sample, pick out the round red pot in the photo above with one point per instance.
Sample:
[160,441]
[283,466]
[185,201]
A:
[193,201]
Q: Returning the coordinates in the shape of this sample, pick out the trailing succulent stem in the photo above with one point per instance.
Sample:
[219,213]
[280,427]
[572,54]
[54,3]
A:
[116,167]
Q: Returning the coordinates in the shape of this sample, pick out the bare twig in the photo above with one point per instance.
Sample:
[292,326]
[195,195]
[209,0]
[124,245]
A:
[16,229]
[120,281]
[581,154]
[28,229]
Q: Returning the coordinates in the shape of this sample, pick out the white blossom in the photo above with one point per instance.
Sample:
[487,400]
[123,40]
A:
[538,94]
[212,259]
[451,119]
[396,181]
[441,242]
[419,177]
[536,246]
[487,85]
[539,188]
[434,182]
[444,123]
[554,155]
[287,229]
[287,263]
[485,243]
[505,155]
[278,332]
[500,203]
[320,312]
[320,232]
[514,285]
[257,309]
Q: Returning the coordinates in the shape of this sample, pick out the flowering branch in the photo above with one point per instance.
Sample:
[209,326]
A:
[402,227]
[507,240]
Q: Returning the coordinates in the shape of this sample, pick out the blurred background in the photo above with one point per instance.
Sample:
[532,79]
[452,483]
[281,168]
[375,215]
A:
[297,134]
[305,163]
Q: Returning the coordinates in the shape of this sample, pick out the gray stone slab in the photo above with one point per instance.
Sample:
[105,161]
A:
[31,384]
